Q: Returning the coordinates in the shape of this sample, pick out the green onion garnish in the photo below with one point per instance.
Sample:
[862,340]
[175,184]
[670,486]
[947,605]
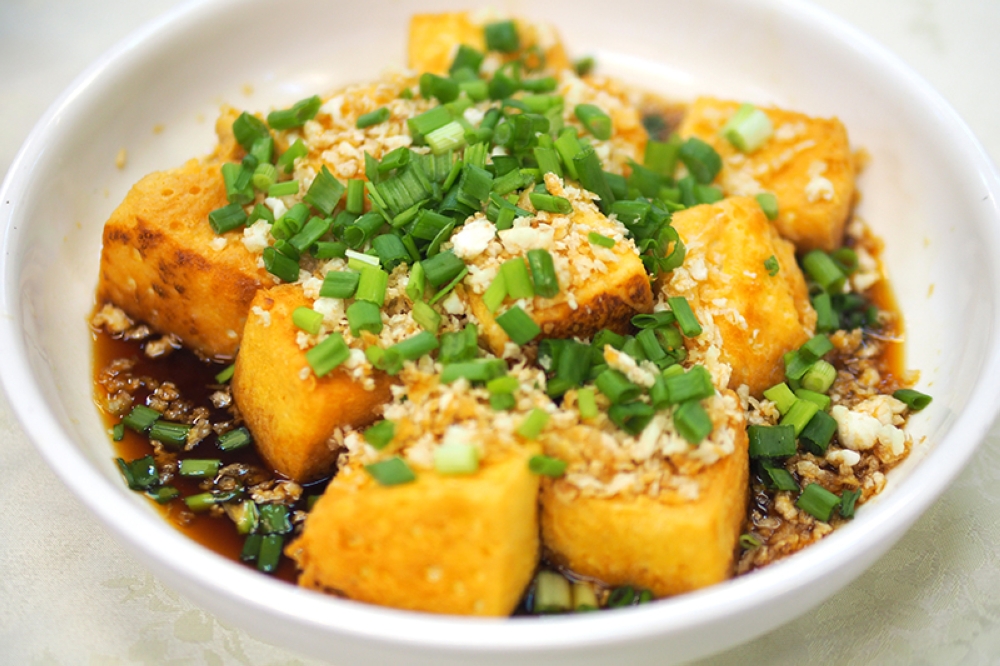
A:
[174,434]
[283,189]
[617,387]
[533,424]
[819,377]
[227,218]
[603,241]
[632,417]
[391,472]
[459,346]
[140,418]
[495,294]
[380,434]
[456,458]
[328,354]
[848,499]
[543,273]
[781,396]
[307,319]
[372,285]
[287,160]
[779,477]
[547,466]
[375,117]
[296,116]
[695,384]
[481,370]
[502,36]
[163,494]
[769,204]
[282,267]
[140,474]
[363,315]
[586,402]
[749,542]
[516,279]
[552,593]
[592,177]
[692,421]
[816,436]
[771,265]
[823,270]
[595,120]
[686,320]
[442,268]
[771,441]
[234,439]
[518,325]
[198,469]
[339,284]
[269,555]
[748,128]
[701,160]
[817,501]
[820,400]
[550,203]
[915,400]
[248,128]
[325,192]
[448,137]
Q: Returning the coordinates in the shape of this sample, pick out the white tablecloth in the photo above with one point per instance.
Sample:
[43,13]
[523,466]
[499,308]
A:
[70,595]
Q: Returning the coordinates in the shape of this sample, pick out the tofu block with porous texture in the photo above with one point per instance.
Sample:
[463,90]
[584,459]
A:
[442,544]
[669,542]
[807,163]
[750,317]
[291,412]
[162,263]
[435,38]
[602,299]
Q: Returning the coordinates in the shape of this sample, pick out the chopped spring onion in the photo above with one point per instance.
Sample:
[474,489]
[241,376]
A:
[505,384]
[375,117]
[118,432]
[661,156]
[547,466]
[543,273]
[426,316]
[466,58]
[816,436]
[592,177]
[442,268]
[820,400]
[552,593]
[799,415]
[632,417]
[200,502]
[380,434]
[568,146]
[248,128]
[140,418]
[692,421]
[772,266]
[339,284]
[245,516]
[781,396]
[234,439]
[140,474]
[816,347]
[274,519]
[283,267]
[584,598]
[819,377]
[459,345]
[426,122]
[502,401]
[548,160]
[796,365]
[174,434]
[621,597]
[456,458]
[448,137]
[533,424]
[701,160]
[328,354]
[748,128]
[686,320]
[163,494]
[771,441]
[595,120]
[480,370]
[296,116]
[749,542]
[769,204]
[227,218]
[848,499]
[518,325]
[617,387]
[307,319]
[779,477]
[443,88]
[502,36]
[198,469]
[915,400]
[550,203]
[495,294]
[355,196]
[823,270]
[391,472]
[372,285]
[264,176]
[447,289]
[269,555]
[817,501]
[363,315]
[695,384]
[287,160]
[283,189]
[517,279]
[325,192]
[603,241]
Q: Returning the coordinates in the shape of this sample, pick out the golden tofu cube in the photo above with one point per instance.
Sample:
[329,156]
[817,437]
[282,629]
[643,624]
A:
[751,316]
[602,299]
[463,545]
[162,263]
[669,543]
[807,164]
[290,411]
[434,39]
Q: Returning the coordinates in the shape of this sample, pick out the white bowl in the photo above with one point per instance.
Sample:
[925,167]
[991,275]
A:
[930,192]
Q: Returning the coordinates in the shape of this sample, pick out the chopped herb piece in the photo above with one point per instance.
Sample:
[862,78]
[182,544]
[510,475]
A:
[771,264]
[391,472]
[817,501]
[380,434]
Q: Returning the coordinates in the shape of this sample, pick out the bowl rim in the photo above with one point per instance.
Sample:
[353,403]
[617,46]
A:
[147,533]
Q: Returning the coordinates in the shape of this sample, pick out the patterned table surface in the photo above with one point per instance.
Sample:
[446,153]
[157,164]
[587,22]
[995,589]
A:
[69,594]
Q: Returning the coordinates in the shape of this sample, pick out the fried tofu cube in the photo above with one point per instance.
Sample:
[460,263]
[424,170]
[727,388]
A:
[672,541]
[162,264]
[807,164]
[291,412]
[434,39]
[599,287]
[442,544]
[748,315]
